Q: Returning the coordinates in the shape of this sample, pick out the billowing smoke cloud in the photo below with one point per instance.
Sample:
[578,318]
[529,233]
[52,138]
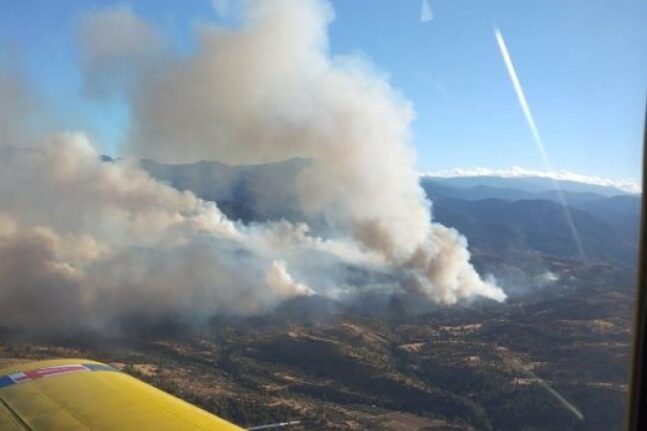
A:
[83,240]
[115,47]
[110,241]
[280,280]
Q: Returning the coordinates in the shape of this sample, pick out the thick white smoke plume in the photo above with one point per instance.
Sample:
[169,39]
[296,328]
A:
[95,240]
[83,240]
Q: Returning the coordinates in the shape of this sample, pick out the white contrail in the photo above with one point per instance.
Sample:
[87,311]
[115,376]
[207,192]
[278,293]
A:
[570,407]
[426,14]
[512,359]
[276,425]
[537,137]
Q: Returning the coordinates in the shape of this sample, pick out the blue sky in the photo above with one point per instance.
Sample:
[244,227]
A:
[583,65]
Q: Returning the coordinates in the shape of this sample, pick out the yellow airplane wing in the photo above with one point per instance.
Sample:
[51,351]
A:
[82,395]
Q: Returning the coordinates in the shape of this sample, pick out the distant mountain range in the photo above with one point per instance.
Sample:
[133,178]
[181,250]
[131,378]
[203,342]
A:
[512,214]
[247,193]
[498,215]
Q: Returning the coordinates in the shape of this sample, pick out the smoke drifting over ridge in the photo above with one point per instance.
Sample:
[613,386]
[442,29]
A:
[106,240]
[87,241]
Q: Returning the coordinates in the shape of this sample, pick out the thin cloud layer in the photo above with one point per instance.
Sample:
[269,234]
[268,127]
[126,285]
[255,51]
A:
[519,172]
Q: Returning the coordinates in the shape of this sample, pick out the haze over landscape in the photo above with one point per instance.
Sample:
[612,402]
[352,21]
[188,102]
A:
[263,215]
